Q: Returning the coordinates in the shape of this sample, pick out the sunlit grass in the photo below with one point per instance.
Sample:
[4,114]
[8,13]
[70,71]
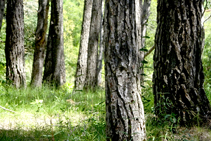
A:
[47,113]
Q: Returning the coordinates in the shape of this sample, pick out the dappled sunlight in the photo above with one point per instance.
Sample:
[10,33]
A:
[28,121]
[49,113]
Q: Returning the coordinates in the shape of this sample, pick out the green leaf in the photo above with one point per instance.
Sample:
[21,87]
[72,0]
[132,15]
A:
[146,37]
[143,86]
[141,67]
[144,49]
[143,74]
[144,62]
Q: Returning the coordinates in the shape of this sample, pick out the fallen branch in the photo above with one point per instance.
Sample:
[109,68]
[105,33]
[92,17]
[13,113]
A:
[151,49]
[7,109]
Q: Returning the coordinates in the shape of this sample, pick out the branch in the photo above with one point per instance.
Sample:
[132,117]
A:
[7,109]
[151,49]
[204,8]
[207,18]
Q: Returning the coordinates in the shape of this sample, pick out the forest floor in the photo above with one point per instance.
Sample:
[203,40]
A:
[76,119]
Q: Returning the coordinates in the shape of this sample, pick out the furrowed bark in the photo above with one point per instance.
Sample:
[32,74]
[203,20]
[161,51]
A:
[124,108]
[14,48]
[54,63]
[40,43]
[92,59]
[83,50]
[178,73]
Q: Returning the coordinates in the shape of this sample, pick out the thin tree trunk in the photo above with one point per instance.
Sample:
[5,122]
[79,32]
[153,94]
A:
[40,43]
[83,51]
[92,59]
[54,72]
[178,73]
[14,49]
[124,108]
[2,6]
[101,49]
[144,20]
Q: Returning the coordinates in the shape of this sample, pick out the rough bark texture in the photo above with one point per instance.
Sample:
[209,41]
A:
[101,50]
[14,49]
[2,6]
[178,73]
[40,43]
[124,108]
[92,59]
[54,63]
[83,50]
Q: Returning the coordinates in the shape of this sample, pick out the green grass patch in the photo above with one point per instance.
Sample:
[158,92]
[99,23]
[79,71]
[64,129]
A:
[50,114]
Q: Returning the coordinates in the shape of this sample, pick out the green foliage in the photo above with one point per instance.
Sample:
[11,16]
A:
[30,23]
[207,4]
[73,10]
[73,14]
[206,57]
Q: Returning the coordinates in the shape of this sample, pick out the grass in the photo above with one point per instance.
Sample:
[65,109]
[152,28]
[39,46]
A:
[50,114]
[45,114]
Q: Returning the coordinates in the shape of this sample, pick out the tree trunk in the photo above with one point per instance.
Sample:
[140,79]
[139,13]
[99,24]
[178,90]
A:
[92,60]
[101,49]
[178,73]
[144,19]
[2,6]
[40,43]
[14,49]
[83,51]
[54,72]
[124,108]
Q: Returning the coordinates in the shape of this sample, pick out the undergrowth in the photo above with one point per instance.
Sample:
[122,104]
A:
[50,114]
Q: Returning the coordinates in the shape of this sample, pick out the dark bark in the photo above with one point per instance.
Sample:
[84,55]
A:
[2,6]
[14,49]
[40,43]
[83,50]
[178,73]
[124,108]
[54,72]
[92,59]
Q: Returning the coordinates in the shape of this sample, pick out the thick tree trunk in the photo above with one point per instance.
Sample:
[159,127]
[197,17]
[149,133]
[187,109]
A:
[92,59]
[124,108]
[54,63]
[178,73]
[2,6]
[40,43]
[101,49]
[14,49]
[83,50]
